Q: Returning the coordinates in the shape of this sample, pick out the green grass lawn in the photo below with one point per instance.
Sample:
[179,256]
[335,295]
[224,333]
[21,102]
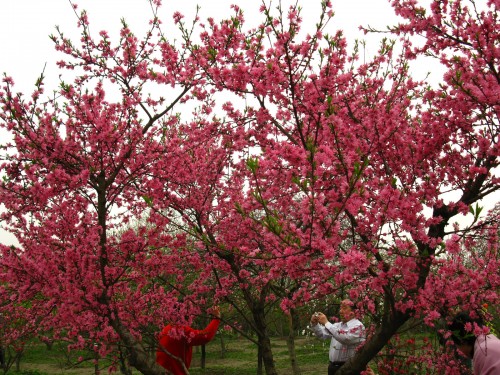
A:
[240,357]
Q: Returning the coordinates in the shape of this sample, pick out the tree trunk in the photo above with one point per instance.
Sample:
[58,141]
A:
[124,367]
[293,322]
[96,361]
[257,309]
[203,357]
[222,347]
[264,341]
[267,355]
[259,361]
[137,355]
[374,344]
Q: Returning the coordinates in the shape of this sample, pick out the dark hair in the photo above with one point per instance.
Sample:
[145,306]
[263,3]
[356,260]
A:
[459,334]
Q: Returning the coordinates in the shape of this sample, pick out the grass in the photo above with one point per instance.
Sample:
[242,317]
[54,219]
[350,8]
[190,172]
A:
[240,357]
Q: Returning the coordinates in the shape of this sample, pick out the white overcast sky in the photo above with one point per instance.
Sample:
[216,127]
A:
[25,26]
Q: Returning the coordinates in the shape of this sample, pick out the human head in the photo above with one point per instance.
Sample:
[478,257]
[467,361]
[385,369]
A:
[346,310]
[462,332]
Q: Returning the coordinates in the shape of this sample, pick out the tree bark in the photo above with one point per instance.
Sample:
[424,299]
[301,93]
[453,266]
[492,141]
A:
[259,360]
[264,341]
[137,355]
[392,322]
[203,357]
[222,347]
[293,322]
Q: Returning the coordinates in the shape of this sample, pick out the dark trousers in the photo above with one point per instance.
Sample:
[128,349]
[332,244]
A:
[333,367]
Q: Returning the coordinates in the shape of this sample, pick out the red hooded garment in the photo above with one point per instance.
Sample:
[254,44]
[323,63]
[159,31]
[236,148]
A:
[179,341]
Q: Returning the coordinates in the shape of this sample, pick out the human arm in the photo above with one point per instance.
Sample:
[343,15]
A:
[317,327]
[353,334]
[201,337]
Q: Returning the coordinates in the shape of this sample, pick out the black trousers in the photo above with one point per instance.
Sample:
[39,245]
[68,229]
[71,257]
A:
[333,367]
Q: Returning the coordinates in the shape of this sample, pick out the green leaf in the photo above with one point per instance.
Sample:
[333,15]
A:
[148,200]
[253,164]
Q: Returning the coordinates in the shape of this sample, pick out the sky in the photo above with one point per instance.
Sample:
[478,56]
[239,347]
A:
[25,25]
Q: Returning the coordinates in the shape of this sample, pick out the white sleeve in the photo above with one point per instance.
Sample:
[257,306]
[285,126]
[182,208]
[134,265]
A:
[320,331]
[353,335]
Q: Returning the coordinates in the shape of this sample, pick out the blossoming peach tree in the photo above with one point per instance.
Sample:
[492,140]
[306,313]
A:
[322,175]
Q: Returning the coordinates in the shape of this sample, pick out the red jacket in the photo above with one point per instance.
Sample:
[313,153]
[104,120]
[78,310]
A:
[180,343]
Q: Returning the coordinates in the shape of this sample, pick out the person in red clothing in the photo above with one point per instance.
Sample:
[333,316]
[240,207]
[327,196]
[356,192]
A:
[176,344]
